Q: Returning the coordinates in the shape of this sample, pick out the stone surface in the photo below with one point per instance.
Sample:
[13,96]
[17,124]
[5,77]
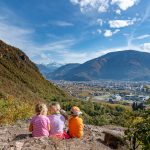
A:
[17,137]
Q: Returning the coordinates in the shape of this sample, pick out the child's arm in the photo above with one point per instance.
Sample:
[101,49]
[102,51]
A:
[30,127]
[49,127]
[64,114]
[81,126]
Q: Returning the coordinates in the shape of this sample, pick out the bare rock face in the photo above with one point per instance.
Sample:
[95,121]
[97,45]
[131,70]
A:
[17,137]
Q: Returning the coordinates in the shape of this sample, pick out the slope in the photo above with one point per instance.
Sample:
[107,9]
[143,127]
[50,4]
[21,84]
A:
[61,71]
[21,78]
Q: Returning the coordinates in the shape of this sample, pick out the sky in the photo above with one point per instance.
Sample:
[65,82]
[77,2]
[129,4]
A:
[74,31]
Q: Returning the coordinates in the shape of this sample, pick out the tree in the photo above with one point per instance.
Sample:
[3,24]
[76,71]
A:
[138,132]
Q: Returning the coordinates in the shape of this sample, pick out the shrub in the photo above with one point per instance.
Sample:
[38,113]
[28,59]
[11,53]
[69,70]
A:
[138,132]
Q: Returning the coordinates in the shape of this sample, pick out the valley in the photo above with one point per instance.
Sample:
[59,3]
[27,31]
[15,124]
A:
[107,91]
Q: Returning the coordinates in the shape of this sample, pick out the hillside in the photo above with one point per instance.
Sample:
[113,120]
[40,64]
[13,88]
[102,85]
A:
[123,65]
[61,71]
[21,78]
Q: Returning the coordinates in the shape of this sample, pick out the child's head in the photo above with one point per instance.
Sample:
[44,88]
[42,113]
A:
[75,111]
[41,109]
[55,108]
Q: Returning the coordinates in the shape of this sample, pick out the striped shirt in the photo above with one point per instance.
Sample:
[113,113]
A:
[40,125]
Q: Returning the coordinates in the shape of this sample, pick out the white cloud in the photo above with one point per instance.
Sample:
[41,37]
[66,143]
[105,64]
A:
[63,23]
[100,21]
[46,53]
[99,31]
[103,6]
[74,57]
[22,38]
[91,55]
[118,11]
[15,35]
[131,38]
[121,23]
[89,5]
[81,57]
[124,4]
[143,37]
[145,47]
[43,59]
[94,7]
[59,50]
[116,31]
[146,14]
[109,33]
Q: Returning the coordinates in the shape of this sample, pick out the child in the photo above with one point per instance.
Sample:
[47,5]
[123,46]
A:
[75,123]
[40,124]
[57,122]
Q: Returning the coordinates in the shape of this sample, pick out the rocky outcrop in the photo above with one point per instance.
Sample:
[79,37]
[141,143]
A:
[17,137]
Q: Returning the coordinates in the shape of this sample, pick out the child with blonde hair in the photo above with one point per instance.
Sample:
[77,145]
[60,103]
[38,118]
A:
[40,124]
[75,123]
[57,122]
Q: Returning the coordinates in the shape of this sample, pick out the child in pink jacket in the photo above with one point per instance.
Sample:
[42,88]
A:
[40,123]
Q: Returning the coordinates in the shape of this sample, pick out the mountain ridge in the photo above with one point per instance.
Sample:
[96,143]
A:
[61,71]
[128,65]
[46,69]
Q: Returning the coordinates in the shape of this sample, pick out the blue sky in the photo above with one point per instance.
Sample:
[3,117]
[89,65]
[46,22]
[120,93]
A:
[74,31]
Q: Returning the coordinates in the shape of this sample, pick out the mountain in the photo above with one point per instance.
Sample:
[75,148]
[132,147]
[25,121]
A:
[122,65]
[48,68]
[20,77]
[61,71]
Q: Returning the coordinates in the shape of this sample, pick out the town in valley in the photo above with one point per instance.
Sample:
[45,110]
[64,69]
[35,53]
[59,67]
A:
[122,92]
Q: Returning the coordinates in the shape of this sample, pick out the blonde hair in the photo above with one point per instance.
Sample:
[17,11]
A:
[56,107]
[41,109]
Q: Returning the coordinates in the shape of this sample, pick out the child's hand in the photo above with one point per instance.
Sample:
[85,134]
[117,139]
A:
[30,127]
[64,113]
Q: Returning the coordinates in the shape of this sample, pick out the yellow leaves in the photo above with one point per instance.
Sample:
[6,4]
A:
[10,99]
[12,110]
[137,120]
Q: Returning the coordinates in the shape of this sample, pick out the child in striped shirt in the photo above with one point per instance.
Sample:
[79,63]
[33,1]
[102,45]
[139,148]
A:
[40,124]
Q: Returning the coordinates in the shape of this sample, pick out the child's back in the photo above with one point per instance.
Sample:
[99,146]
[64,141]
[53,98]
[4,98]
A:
[75,127]
[57,124]
[40,125]
[75,123]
